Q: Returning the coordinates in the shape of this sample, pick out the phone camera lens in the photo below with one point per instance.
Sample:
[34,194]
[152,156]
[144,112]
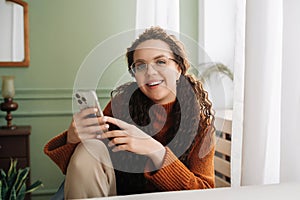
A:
[83,99]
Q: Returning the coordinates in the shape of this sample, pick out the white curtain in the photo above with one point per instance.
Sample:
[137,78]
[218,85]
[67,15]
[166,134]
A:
[290,137]
[222,34]
[270,150]
[257,63]
[164,13]
[238,94]
[262,100]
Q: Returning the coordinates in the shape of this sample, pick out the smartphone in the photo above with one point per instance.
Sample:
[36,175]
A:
[88,99]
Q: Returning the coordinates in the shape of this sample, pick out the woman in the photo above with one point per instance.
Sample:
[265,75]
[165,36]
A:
[157,133]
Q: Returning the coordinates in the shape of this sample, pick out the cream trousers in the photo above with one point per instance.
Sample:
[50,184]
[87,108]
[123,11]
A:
[90,172]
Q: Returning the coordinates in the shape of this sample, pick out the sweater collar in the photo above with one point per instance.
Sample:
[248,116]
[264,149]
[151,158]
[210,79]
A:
[168,107]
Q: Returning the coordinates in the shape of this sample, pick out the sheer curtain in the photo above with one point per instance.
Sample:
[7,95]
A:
[222,34]
[257,63]
[262,100]
[164,13]
[270,149]
[290,137]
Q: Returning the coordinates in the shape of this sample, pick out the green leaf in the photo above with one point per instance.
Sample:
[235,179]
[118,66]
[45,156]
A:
[12,179]
[3,178]
[21,193]
[1,189]
[13,195]
[13,167]
[34,186]
[2,174]
[4,191]
[22,176]
[12,173]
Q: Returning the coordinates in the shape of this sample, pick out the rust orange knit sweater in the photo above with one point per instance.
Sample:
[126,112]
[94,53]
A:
[173,175]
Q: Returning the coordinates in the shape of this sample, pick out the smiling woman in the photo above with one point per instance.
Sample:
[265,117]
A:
[14,49]
[157,133]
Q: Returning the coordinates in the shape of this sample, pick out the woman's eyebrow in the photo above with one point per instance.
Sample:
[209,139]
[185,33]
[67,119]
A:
[140,60]
[160,56]
[156,57]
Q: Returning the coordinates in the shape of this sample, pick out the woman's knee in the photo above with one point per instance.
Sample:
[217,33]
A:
[88,153]
[86,175]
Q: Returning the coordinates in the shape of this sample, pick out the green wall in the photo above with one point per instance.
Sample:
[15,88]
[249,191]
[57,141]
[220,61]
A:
[62,33]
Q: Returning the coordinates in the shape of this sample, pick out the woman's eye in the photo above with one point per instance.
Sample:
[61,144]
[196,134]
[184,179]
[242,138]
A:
[161,62]
[141,66]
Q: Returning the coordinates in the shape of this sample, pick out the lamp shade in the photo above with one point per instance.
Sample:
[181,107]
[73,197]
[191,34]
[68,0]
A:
[8,88]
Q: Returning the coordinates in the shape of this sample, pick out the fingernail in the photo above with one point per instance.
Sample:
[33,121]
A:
[107,126]
[95,109]
[98,136]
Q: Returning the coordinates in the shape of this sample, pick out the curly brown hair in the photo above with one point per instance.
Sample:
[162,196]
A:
[192,110]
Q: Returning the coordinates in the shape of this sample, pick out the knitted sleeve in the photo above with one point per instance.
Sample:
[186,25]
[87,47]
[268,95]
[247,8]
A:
[60,151]
[174,175]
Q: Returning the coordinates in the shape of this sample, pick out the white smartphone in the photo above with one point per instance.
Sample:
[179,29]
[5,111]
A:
[88,99]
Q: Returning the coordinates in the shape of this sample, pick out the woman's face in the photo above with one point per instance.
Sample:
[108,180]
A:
[156,71]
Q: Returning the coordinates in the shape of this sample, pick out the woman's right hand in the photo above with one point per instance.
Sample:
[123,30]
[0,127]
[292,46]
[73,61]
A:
[83,127]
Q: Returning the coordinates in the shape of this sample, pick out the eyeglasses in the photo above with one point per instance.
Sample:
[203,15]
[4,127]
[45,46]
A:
[159,64]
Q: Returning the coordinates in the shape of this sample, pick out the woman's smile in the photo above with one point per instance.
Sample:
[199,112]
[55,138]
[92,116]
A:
[154,84]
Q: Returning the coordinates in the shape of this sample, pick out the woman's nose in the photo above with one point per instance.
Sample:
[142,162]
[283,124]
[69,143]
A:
[150,69]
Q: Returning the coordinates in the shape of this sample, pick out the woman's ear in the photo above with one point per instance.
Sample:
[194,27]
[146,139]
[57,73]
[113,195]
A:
[178,72]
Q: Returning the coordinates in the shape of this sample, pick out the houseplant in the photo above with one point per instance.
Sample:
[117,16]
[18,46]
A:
[13,183]
[207,69]
[217,79]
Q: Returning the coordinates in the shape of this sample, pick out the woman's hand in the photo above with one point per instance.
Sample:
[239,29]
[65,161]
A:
[130,138]
[83,127]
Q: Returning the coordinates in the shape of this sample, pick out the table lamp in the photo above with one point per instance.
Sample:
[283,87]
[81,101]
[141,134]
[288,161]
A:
[8,92]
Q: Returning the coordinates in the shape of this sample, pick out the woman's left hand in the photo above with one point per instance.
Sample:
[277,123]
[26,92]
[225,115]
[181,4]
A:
[130,138]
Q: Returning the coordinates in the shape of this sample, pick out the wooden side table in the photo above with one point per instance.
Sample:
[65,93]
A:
[14,143]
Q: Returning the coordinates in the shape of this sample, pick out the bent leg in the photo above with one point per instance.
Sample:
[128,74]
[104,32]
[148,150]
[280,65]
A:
[90,172]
